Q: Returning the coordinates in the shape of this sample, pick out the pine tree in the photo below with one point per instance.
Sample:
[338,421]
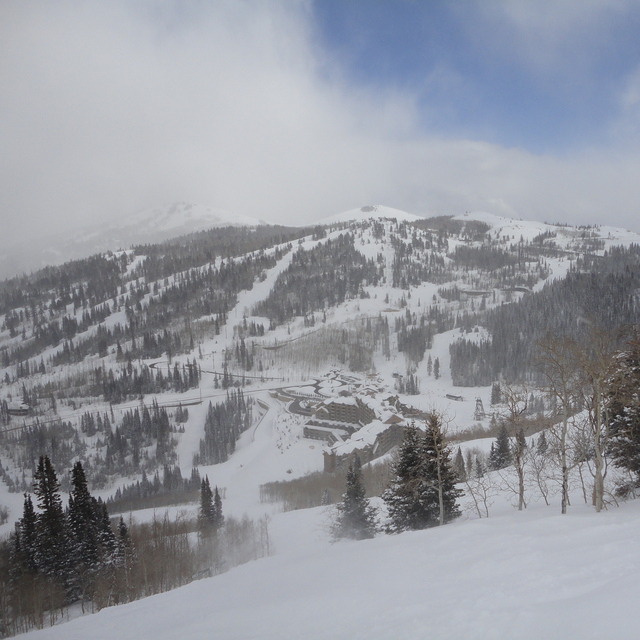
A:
[218,517]
[27,534]
[542,446]
[206,514]
[423,493]
[440,493]
[83,532]
[496,393]
[124,561]
[355,517]
[51,530]
[106,536]
[479,468]
[403,497]
[624,408]
[460,469]
[500,456]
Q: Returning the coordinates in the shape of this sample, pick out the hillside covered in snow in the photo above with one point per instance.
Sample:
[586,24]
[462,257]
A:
[266,358]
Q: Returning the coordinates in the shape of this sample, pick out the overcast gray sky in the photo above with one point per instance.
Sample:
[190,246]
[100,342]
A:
[290,111]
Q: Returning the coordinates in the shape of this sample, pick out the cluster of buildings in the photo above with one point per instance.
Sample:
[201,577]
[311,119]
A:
[354,423]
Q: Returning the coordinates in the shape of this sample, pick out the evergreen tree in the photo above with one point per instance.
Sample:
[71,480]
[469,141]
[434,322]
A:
[218,517]
[479,468]
[624,408]
[210,517]
[423,493]
[403,495]
[439,491]
[206,514]
[27,531]
[51,527]
[355,517]
[496,393]
[84,536]
[459,466]
[500,456]
[542,446]
[106,535]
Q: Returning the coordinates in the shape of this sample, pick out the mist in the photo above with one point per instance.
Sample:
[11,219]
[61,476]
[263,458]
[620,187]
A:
[109,108]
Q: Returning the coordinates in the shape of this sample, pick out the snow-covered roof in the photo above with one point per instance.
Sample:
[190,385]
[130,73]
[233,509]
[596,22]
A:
[361,438]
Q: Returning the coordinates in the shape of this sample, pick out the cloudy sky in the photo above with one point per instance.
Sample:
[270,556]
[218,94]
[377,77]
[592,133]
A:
[294,110]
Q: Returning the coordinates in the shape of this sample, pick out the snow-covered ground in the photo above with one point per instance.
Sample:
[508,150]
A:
[516,575]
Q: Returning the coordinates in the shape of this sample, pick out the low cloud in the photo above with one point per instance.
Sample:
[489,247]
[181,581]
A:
[108,108]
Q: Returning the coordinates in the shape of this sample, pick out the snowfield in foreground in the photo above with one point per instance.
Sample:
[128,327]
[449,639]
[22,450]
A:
[533,574]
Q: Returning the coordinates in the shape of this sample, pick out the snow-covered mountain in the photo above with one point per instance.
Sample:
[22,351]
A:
[383,313]
[370,212]
[158,223]
[143,227]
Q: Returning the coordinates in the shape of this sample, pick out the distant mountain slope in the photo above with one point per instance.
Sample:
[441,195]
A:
[426,301]
[144,227]
[208,355]
[369,212]
[563,234]
[178,218]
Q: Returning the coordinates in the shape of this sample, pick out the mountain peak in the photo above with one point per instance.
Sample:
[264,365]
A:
[183,217]
[370,211]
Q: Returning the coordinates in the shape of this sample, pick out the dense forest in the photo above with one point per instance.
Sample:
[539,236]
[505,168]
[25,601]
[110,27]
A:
[596,292]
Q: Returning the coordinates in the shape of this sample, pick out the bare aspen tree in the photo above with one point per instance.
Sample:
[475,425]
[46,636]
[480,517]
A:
[558,361]
[481,487]
[596,359]
[516,401]
[538,463]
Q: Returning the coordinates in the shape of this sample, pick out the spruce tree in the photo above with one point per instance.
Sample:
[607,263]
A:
[355,517]
[51,527]
[624,408]
[500,456]
[27,534]
[496,393]
[423,493]
[439,491]
[403,495]
[542,446]
[83,522]
[206,514]
[461,471]
[107,537]
[218,517]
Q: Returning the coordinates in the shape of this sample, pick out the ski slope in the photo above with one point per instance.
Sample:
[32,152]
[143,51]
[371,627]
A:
[517,575]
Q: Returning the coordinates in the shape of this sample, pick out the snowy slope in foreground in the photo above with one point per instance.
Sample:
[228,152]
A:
[534,574]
